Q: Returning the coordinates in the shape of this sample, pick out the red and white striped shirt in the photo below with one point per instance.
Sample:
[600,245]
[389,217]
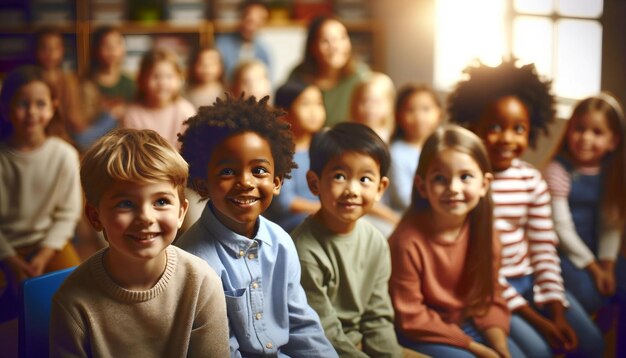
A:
[523,216]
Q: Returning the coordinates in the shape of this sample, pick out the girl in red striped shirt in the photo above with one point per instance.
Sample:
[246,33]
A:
[507,106]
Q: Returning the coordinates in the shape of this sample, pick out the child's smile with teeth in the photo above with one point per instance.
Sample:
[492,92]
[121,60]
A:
[241,181]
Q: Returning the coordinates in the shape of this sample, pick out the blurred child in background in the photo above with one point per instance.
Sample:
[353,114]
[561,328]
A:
[205,79]
[159,104]
[418,113]
[372,104]
[107,57]
[40,198]
[306,114]
[586,181]
[49,54]
[251,79]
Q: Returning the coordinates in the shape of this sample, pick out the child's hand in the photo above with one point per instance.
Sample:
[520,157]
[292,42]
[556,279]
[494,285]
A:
[482,351]
[608,267]
[496,338]
[19,267]
[570,341]
[603,276]
[39,262]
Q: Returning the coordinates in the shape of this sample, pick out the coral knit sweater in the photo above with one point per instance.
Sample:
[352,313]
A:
[423,286]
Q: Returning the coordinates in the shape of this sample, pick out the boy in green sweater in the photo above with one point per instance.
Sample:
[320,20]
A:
[140,296]
[345,261]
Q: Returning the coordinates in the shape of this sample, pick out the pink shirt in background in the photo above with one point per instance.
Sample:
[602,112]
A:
[167,121]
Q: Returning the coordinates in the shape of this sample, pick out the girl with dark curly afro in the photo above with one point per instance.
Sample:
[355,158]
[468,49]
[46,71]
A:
[239,150]
[508,106]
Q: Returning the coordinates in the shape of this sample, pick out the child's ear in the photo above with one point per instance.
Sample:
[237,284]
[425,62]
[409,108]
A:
[94,217]
[182,212]
[487,179]
[382,186]
[420,185]
[278,183]
[313,180]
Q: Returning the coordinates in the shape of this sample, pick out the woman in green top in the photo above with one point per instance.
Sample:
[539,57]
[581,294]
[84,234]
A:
[328,64]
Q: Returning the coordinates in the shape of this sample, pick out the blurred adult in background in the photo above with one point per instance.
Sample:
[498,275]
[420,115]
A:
[244,45]
[107,58]
[328,64]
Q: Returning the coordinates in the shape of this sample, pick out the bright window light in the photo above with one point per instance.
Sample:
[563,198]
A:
[536,7]
[532,42]
[467,30]
[579,58]
[580,8]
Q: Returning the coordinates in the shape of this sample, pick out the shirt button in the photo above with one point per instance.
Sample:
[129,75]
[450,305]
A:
[258,316]
[241,253]
[269,345]
[251,257]
[255,285]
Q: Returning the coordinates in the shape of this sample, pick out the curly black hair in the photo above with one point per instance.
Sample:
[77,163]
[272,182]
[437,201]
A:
[228,117]
[486,84]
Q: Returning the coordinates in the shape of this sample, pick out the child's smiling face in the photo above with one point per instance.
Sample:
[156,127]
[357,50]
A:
[139,220]
[504,127]
[31,111]
[241,181]
[348,187]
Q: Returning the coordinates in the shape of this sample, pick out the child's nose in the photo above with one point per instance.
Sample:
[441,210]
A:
[245,181]
[455,185]
[352,187]
[146,215]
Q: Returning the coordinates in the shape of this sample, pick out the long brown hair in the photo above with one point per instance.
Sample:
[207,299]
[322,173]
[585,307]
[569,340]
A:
[309,66]
[614,169]
[477,281]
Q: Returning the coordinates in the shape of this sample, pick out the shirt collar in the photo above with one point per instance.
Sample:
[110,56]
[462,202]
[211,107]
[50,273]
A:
[231,240]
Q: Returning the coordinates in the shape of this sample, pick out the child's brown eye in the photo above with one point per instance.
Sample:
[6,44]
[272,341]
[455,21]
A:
[260,170]
[227,171]
[496,128]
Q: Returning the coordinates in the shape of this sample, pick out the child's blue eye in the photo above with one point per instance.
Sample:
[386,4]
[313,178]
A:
[227,171]
[124,204]
[260,170]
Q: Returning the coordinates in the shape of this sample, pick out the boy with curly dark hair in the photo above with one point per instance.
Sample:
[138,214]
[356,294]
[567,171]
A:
[508,106]
[239,150]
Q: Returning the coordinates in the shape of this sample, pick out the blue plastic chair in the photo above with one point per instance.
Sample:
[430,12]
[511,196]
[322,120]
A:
[35,300]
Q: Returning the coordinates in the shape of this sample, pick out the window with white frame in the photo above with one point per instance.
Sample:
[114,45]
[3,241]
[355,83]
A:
[562,37]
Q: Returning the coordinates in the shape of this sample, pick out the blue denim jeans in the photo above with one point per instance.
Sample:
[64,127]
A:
[446,350]
[529,340]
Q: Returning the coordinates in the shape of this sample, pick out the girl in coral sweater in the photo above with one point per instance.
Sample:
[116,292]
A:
[444,283]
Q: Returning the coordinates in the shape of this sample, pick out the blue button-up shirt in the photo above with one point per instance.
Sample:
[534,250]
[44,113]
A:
[267,308]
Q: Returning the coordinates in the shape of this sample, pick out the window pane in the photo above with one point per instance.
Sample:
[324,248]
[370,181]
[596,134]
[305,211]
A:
[580,8]
[579,58]
[466,30]
[532,42]
[539,7]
